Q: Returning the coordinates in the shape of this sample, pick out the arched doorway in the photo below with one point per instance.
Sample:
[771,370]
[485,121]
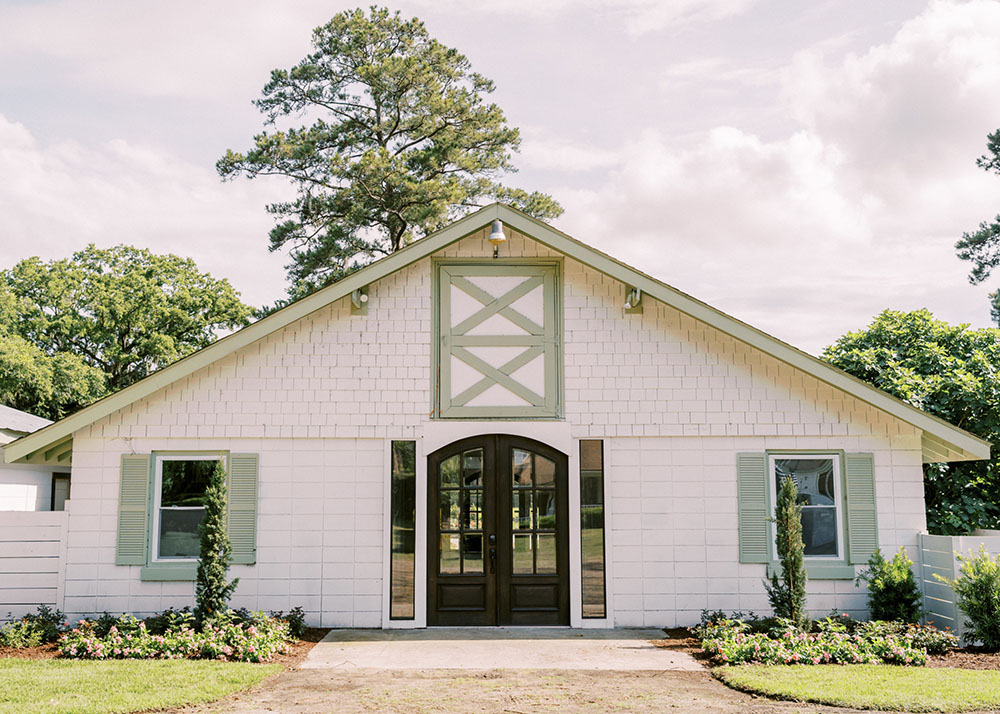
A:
[497,547]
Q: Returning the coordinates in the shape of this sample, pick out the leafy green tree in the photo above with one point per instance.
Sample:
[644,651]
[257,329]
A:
[215,554]
[401,141]
[787,589]
[952,372]
[50,386]
[982,246]
[125,312]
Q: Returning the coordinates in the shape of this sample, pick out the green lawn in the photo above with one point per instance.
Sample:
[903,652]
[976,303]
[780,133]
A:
[111,687]
[869,686]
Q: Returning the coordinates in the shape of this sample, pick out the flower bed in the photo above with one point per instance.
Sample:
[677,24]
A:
[248,638]
[833,642]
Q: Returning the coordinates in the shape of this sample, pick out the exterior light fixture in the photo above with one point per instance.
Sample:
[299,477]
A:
[497,237]
[633,300]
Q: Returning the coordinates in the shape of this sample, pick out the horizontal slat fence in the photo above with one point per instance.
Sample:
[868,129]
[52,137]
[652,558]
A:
[32,548]
[938,556]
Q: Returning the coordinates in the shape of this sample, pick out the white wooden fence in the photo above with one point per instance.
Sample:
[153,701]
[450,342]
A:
[32,560]
[938,556]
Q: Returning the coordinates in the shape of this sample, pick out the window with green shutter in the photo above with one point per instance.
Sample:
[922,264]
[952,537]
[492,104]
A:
[161,505]
[837,495]
[498,342]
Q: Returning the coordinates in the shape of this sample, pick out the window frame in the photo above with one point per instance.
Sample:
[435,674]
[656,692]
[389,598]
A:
[154,558]
[818,567]
[441,407]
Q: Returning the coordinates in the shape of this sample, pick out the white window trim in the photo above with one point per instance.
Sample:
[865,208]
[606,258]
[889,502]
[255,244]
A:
[157,497]
[837,495]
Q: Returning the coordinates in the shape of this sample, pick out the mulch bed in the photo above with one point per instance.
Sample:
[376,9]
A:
[298,652]
[680,639]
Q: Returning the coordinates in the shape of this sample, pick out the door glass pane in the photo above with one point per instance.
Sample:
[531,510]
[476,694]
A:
[522,554]
[472,509]
[472,549]
[546,501]
[521,468]
[449,510]
[546,562]
[449,472]
[451,560]
[521,510]
[472,468]
[545,472]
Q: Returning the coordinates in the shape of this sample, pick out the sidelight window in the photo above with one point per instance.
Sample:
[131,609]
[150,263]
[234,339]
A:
[592,528]
[403,498]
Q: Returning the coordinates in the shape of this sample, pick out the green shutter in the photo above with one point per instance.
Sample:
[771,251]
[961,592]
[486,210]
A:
[243,508]
[133,507]
[751,475]
[862,526]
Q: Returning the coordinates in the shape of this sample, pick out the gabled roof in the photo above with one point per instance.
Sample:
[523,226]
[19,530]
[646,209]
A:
[15,424]
[941,441]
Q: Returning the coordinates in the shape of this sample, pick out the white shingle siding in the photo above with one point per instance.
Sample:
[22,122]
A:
[674,399]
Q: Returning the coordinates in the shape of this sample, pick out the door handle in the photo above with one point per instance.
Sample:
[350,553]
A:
[493,560]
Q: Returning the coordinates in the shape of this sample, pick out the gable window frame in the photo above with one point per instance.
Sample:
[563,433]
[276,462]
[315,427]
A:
[818,567]
[441,407]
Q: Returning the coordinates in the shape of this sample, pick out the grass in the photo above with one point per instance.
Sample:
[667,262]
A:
[117,686]
[869,686]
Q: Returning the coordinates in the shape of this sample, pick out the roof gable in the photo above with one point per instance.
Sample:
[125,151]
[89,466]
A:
[942,441]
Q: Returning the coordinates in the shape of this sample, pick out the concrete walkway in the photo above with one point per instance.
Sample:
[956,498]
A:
[497,648]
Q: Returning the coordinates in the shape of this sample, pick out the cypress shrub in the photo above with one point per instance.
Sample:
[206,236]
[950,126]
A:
[212,592]
[787,590]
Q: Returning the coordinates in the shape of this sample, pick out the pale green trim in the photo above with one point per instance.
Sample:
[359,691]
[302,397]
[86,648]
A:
[169,572]
[541,340]
[815,570]
[960,444]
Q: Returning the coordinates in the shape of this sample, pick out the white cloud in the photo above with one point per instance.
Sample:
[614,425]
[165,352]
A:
[55,199]
[810,235]
[638,17]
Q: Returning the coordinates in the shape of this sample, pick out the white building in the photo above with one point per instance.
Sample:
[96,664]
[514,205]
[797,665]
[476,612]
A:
[546,436]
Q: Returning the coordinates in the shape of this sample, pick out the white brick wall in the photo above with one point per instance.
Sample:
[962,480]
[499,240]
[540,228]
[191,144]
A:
[674,398]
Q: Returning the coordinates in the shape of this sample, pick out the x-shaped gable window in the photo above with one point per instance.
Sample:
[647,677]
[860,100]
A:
[499,340]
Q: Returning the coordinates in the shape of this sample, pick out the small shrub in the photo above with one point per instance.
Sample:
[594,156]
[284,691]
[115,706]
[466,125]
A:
[892,588]
[296,620]
[787,591]
[978,589]
[34,629]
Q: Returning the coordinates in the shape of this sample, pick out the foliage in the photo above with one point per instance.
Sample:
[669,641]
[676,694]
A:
[46,385]
[212,592]
[978,589]
[930,638]
[60,687]
[402,141]
[731,642]
[295,619]
[982,246]
[224,637]
[34,629]
[892,588]
[951,372]
[104,319]
[787,590]
[875,687]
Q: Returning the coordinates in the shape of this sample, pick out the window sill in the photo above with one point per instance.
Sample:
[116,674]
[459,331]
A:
[163,572]
[837,570]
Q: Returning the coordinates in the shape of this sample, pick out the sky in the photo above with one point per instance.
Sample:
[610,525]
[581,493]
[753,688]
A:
[800,166]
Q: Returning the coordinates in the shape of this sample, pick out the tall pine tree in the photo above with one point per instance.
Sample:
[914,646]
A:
[212,592]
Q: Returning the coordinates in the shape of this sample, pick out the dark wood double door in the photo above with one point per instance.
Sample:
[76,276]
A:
[497,550]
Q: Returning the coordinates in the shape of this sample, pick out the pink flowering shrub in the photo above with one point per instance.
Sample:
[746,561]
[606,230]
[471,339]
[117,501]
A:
[255,639]
[733,642]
